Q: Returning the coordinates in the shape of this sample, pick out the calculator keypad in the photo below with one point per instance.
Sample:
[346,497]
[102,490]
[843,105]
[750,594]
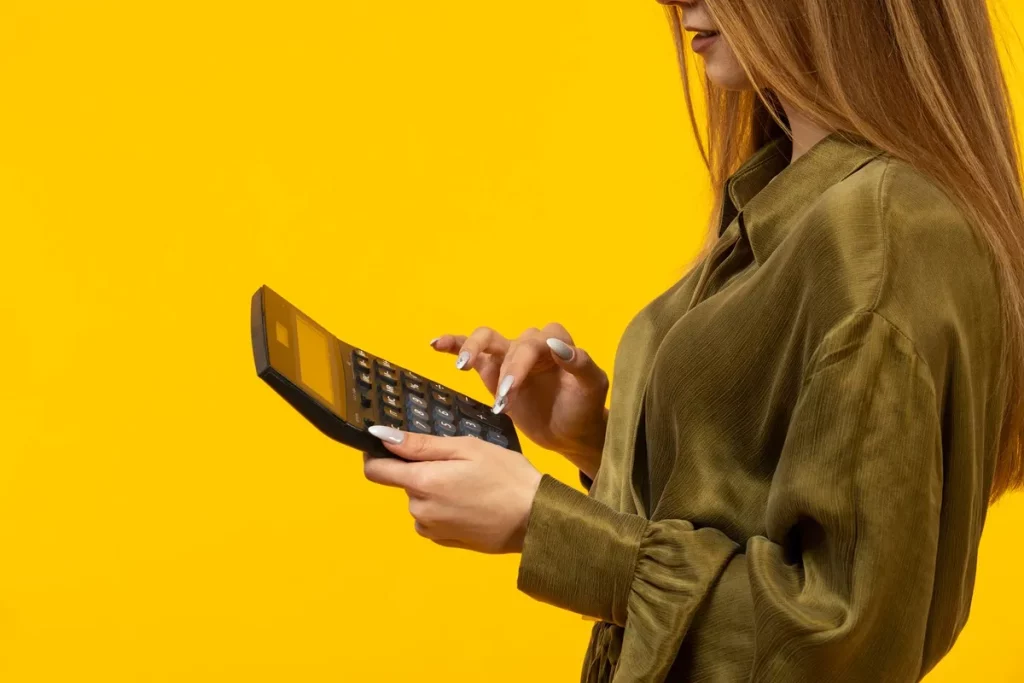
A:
[396,397]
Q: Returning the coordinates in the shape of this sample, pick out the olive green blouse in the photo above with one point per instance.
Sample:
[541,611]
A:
[800,444]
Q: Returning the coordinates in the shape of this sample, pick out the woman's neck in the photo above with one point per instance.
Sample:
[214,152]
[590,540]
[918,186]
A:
[805,133]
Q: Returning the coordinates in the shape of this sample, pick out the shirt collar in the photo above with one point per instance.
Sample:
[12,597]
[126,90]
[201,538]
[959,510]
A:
[770,192]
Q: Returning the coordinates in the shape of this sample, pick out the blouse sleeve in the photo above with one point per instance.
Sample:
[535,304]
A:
[839,586]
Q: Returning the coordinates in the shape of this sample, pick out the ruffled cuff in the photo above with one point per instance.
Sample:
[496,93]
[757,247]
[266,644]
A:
[579,554]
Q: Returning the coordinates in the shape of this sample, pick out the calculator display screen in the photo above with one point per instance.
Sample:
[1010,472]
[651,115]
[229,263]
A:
[304,352]
[314,359]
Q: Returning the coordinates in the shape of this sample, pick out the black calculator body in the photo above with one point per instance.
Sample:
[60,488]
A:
[344,390]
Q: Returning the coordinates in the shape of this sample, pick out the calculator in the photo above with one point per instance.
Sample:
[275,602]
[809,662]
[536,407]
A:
[344,390]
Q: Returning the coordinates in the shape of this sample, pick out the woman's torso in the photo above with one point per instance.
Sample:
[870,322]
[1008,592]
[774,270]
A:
[706,376]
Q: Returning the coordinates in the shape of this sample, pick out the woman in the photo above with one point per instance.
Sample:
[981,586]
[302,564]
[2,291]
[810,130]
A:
[806,431]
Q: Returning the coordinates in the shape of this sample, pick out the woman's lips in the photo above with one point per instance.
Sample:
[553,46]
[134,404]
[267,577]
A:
[704,40]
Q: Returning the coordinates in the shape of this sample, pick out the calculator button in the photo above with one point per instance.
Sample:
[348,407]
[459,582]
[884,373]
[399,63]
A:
[381,363]
[485,417]
[392,413]
[470,403]
[360,353]
[443,399]
[388,389]
[418,401]
[368,422]
[438,387]
[419,413]
[414,386]
[412,375]
[444,428]
[497,438]
[365,380]
[389,376]
[365,400]
[469,427]
[419,426]
[391,401]
[443,414]
[363,363]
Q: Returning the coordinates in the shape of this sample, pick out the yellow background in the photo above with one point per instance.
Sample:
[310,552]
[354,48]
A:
[398,170]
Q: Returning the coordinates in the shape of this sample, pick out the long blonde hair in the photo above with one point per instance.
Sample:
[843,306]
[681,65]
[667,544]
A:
[918,79]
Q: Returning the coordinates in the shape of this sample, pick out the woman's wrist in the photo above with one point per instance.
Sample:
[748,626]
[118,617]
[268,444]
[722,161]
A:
[585,452]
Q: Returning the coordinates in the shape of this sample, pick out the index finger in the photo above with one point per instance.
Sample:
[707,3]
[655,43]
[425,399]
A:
[389,471]
[483,340]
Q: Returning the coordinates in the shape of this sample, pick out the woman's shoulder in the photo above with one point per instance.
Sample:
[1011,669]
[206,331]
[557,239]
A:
[931,274]
[889,198]
[901,227]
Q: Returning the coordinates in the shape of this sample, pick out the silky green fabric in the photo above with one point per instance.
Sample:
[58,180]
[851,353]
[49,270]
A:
[800,445]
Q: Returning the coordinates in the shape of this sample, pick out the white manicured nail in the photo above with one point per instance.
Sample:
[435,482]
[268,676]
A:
[506,384]
[561,349]
[463,359]
[388,434]
[499,405]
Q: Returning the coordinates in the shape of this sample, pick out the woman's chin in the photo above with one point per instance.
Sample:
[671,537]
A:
[727,76]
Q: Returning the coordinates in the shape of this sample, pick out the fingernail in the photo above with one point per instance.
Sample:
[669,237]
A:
[506,384]
[463,359]
[499,405]
[389,434]
[561,349]
[434,340]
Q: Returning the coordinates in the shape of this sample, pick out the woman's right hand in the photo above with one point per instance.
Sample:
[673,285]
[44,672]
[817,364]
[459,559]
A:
[553,391]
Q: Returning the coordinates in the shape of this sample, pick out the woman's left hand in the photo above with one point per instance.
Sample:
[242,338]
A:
[463,492]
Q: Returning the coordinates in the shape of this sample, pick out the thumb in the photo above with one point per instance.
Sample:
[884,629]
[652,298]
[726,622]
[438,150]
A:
[578,363]
[411,446]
